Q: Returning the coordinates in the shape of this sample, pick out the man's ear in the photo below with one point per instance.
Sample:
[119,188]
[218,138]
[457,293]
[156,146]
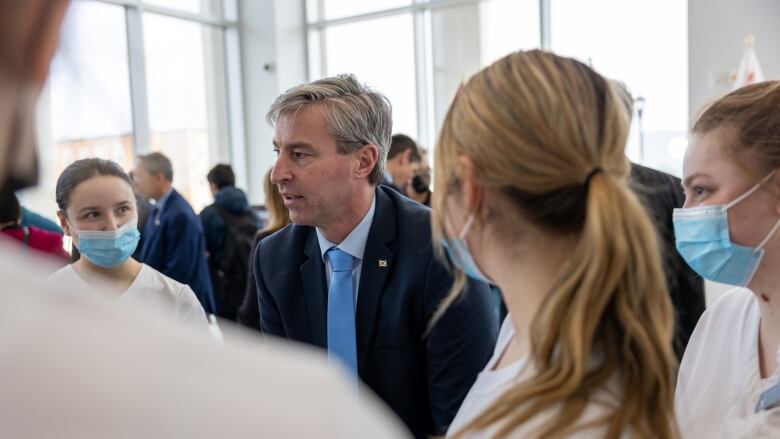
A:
[367,156]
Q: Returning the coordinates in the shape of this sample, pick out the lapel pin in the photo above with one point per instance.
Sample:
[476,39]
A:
[382,263]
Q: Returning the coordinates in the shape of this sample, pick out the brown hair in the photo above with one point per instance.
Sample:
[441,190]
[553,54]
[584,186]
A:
[750,113]
[278,215]
[546,136]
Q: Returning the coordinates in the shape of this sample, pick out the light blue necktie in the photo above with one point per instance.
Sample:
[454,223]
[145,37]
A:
[341,309]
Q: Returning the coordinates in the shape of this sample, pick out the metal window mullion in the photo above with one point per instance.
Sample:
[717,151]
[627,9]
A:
[235,108]
[420,74]
[323,48]
[544,24]
[161,10]
[138,94]
[432,5]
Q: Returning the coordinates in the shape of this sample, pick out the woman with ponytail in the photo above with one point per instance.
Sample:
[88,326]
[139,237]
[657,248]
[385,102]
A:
[532,196]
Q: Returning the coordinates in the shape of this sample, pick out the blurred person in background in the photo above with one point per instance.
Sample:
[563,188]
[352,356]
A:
[403,160]
[278,218]
[661,193]
[420,187]
[229,226]
[74,367]
[174,243]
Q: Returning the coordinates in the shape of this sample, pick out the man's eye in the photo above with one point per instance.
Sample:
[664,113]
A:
[276,151]
[298,155]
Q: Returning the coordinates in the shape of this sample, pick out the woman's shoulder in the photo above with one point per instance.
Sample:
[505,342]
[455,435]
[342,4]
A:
[736,307]
[66,273]
[158,281]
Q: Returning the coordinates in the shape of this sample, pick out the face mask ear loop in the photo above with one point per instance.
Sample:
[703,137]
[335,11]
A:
[467,226]
[769,236]
[749,192]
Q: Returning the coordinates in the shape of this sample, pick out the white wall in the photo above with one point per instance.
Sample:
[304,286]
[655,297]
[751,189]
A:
[716,34]
[273,46]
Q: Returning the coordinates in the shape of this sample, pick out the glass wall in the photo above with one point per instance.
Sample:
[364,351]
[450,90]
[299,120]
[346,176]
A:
[132,77]
[441,43]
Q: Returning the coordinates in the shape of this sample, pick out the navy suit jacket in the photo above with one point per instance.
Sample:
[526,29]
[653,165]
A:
[176,248]
[423,379]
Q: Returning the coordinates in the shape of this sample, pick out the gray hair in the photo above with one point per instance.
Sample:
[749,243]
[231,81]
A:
[356,114]
[158,163]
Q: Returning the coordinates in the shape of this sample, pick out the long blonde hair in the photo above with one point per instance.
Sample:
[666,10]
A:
[278,215]
[546,136]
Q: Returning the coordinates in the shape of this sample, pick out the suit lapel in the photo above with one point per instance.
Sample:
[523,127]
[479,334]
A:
[377,263]
[314,288]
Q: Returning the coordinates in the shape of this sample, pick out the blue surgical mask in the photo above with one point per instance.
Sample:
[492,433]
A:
[458,251]
[108,248]
[702,235]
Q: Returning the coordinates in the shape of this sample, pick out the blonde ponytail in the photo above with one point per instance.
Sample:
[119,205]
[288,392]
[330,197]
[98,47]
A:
[607,323]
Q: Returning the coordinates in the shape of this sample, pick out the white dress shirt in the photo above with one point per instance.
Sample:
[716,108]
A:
[354,245]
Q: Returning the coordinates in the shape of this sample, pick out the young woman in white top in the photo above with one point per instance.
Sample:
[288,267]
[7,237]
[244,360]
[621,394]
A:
[97,209]
[727,231]
[532,196]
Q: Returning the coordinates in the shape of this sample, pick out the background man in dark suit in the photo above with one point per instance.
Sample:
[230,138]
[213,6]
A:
[356,273]
[403,162]
[173,243]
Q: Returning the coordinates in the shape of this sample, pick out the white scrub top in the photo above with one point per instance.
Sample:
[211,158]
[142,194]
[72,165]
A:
[161,295]
[719,382]
[491,383]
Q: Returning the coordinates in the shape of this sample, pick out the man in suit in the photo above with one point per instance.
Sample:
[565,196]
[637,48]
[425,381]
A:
[355,273]
[174,243]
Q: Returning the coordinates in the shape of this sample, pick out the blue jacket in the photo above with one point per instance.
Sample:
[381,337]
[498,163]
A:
[174,246]
[234,201]
[30,218]
[423,379]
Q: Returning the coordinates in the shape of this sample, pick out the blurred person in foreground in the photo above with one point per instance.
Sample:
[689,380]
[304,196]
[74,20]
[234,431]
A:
[76,368]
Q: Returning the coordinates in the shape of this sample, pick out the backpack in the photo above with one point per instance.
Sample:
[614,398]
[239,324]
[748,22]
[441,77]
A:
[229,272]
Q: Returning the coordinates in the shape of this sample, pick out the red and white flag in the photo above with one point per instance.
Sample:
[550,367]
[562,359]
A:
[749,71]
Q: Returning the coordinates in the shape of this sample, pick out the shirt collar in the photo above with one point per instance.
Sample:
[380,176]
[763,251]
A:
[164,199]
[355,243]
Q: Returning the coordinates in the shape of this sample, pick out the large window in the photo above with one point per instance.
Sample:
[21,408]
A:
[452,40]
[643,45]
[132,77]
[186,90]
[417,52]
